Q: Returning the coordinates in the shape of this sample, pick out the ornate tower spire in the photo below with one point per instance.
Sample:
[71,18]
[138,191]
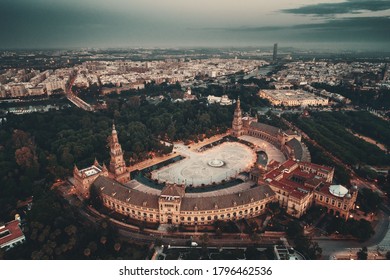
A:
[75,170]
[114,134]
[237,120]
[117,163]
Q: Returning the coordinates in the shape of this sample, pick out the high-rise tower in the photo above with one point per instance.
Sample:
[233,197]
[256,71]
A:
[275,53]
[117,163]
[237,121]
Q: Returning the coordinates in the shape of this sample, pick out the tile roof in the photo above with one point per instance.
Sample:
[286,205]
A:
[14,232]
[290,132]
[296,146]
[271,130]
[126,193]
[298,192]
[297,182]
[173,190]
[227,200]
[317,166]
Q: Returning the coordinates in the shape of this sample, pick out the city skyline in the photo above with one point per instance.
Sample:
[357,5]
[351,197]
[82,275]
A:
[351,24]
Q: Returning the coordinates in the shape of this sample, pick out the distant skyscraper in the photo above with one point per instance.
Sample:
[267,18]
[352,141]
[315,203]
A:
[275,54]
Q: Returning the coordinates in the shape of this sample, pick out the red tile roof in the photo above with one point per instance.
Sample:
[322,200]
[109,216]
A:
[14,232]
[293,191]
[173,190]
[288,163]
[305,183]
[317,166]
[300,173]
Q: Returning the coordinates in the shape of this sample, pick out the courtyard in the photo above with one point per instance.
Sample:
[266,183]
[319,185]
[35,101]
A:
[214,165]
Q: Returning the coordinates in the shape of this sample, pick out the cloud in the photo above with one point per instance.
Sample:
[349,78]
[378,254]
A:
[44,23]
[243,28]
[369,30]
[366,29]
[349,7]
[74,23]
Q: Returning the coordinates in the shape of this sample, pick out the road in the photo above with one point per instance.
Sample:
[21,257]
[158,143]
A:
[75,99]
[340,248]
[331,248]
[360,183]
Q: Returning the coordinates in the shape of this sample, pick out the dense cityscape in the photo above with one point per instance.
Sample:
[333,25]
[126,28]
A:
[268,92]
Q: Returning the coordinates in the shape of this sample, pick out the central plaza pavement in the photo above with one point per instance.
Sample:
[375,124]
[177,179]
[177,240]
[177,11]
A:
[194,169]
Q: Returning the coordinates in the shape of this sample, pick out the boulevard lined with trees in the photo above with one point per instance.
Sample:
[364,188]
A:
[329,130]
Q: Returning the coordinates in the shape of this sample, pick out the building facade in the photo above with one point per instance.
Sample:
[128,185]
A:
[117,163]
[83,179]
[299,185]
[289,142]
[293,98]
[171,205]
[237,125]
[295,184]
[174,206]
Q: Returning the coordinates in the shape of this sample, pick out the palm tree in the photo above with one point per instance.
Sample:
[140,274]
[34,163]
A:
[117,246]
[87,252]
[103,240]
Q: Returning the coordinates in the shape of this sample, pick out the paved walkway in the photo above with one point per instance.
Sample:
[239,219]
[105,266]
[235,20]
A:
[150,162]
[272,152]
[196,146]
[156,160]
[195,169]
[384,244]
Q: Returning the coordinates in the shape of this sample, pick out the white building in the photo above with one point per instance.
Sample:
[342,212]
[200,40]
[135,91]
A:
[224,100]
[292,98]
[17,90]
[54,83]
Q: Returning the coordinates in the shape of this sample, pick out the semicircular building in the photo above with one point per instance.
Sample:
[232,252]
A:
[294,182]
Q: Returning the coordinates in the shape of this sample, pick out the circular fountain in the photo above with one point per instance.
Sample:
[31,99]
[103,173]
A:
[216,163]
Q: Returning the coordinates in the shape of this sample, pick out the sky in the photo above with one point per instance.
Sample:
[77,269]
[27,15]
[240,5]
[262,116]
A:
[324,24]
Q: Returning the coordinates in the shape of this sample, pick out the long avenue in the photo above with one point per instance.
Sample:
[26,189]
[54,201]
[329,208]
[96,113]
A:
[75,99]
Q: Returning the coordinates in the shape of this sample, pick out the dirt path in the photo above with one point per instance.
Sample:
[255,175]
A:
[369,140]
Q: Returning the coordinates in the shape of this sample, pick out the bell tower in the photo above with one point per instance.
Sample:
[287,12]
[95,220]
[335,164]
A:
[237,121]
[117,163]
